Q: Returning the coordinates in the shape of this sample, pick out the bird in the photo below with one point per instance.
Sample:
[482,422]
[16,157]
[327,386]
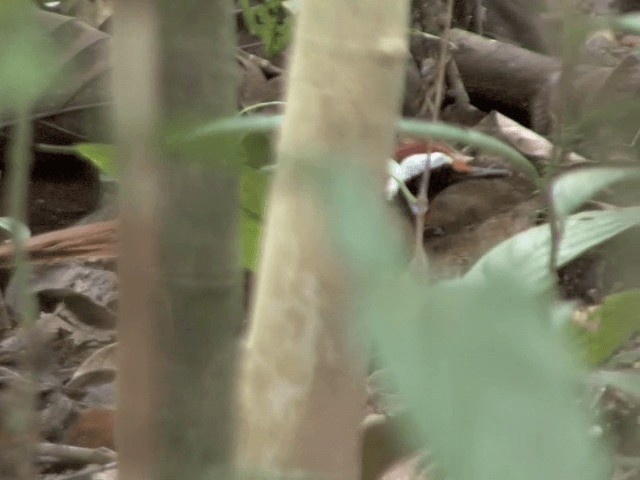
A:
[98,240]
[447,166]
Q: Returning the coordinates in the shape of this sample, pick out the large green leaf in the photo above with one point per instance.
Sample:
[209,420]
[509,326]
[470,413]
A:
[609,326]
[573,188]
[102,155]
[28,60]
[489,382]
[528,252]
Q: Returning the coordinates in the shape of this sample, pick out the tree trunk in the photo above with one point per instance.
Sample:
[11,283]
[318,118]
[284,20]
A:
[181,249]
[200,261]
[136,115]
[302,382]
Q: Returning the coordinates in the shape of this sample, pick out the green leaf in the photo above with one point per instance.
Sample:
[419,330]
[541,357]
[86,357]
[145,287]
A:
[256,150]
[251,234]
[571,189]
[102,155]
[214,130]
[608,327]
[628,382]
[528,252]
[628,23]
[254,186]
[271,22]
[481,369]
[29,63]
[479,364]
[8,224]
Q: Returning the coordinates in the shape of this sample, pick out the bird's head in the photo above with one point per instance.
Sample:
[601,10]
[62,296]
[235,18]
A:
[447,166]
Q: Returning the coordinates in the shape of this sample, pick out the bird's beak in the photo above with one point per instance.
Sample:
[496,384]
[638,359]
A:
[487,172]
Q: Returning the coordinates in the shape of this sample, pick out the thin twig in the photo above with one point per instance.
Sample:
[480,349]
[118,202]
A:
[458,90]
[263,63]
[57,149]
[635,138]
[556,225]
[59,111]
[77,455]
[443,58]
[422,202]
[18,180]
[433,39]
[85,472]
[478,15]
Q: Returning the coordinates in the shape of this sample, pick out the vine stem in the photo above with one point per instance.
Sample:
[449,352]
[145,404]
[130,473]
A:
[23,426]
[420,260]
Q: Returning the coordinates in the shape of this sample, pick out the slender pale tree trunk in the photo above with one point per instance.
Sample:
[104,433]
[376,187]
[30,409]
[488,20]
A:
[200,260]
[180,258]
[135,65]
[302,382]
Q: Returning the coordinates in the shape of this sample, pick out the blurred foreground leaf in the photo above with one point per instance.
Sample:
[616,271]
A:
[490,384]
[573,188]
[628,382]
[627,23]
[27,57]
[9,224]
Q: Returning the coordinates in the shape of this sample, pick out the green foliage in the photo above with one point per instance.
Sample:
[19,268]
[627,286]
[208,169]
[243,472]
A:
[28,59]
[528,252]
[608,327]
[491,385]
[271,22]
[478,379]
[101,155]
[573,188]
[489,381]
[254,185]
[626,381]
[627,23]
[21,230]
